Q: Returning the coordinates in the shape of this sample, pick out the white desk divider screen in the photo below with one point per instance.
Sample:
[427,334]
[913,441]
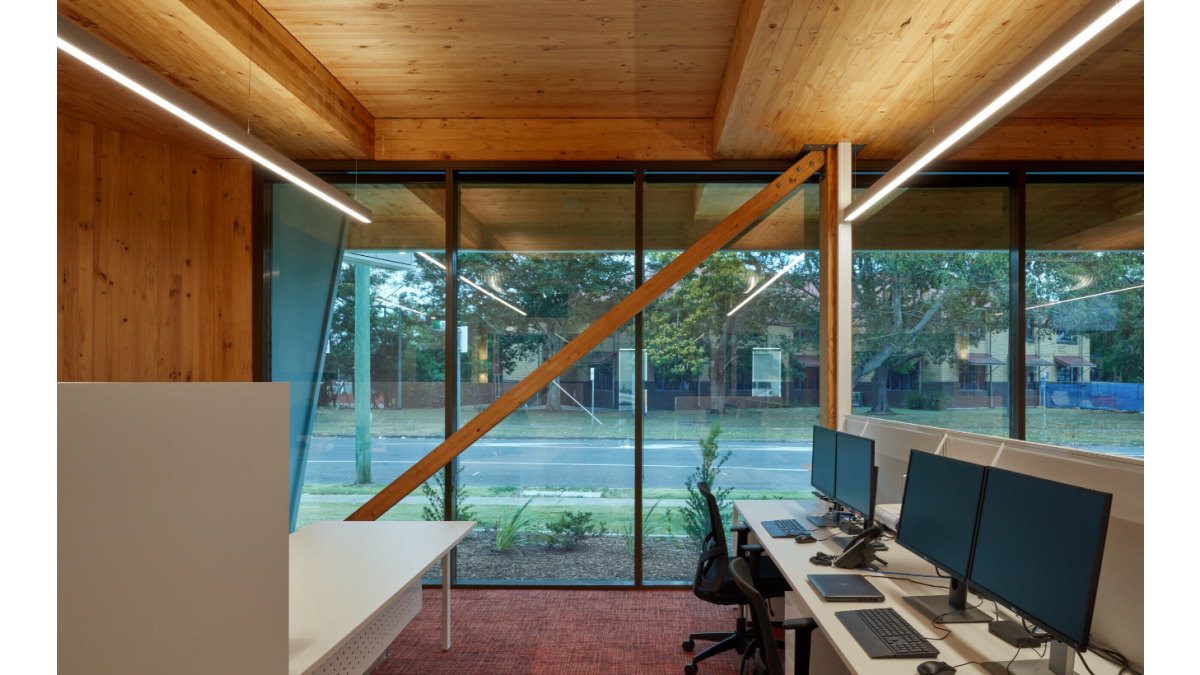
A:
[1119,621]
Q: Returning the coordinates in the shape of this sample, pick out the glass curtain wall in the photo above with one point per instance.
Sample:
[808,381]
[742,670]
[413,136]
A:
[931,297]
[731,364]
[1085,294]
[382,393]
[552,484]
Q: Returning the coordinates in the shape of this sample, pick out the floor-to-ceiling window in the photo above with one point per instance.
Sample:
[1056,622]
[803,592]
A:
[1085,294]
[552,484]
[931,296]
[731,362]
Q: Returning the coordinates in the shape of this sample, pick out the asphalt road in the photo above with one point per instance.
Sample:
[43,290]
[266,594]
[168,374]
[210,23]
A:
[572,464]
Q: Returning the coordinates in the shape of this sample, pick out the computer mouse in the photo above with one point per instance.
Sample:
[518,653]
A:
[804,539]
[935,667]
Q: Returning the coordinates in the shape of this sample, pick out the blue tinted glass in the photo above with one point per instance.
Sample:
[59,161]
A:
[855,458]
[824,459]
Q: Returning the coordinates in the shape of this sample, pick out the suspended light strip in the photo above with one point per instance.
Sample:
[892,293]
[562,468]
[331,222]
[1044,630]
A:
[481,289]
[923,157]
[83,46]
[407,309]
[771,281]
[1085,297]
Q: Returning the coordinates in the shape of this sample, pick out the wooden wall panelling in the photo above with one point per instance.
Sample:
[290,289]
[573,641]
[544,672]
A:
[681,139]
[204,47]
[154,260]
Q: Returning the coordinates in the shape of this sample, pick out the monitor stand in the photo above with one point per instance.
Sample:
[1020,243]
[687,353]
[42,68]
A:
[950,608]
[825,520]
[1061,662]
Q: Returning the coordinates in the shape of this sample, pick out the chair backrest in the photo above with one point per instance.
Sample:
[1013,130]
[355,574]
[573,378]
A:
[764,637]
[714,551]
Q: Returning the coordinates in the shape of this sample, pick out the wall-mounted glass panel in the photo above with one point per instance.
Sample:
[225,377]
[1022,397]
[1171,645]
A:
[1084,286]
[930,340]
[382,395]
[552,484]
[732,363]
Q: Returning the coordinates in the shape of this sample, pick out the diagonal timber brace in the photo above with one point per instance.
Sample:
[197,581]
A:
[623,311]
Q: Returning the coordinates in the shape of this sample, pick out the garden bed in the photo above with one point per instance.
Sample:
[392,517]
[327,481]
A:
[603,558]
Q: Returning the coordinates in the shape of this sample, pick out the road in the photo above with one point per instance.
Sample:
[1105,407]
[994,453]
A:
[571,463]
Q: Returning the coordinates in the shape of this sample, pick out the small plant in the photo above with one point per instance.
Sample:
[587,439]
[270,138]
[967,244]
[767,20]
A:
[515,529]
[570,529]
[648,528]
[435,509]
[913,400]
[695,511]
[935,400]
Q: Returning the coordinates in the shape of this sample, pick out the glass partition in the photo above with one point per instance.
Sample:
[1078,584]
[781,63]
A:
[931,285]
[552,484]
[1084,334]
[731,363]
[306,240]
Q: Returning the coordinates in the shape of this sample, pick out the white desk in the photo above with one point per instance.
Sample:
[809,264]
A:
[352,586]
[968,642]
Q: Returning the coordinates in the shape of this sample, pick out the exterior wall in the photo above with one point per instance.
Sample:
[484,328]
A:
[154,261]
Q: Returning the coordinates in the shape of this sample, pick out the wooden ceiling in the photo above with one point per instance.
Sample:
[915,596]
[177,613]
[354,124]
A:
[605,80]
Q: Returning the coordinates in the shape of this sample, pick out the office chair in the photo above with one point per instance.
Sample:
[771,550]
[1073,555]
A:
[763,652]
[714,583]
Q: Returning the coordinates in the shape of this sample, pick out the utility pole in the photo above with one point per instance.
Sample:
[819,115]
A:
[362,373]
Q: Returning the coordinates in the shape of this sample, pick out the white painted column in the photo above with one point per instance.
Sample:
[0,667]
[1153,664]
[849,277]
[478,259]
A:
[446,601]
[845,284]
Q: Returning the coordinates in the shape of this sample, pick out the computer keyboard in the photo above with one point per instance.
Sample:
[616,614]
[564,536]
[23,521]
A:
[784,528]
[884,634]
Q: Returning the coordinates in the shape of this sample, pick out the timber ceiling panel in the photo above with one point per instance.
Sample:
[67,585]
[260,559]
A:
[820,71]
[527,59]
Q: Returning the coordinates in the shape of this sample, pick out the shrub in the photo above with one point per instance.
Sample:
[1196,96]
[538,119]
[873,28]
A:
[436,508]
[695,512]
[515,529]
[570,529]
[913,400]
[630,536]
[935,400]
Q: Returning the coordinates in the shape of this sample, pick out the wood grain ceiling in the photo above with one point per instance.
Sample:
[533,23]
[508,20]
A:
[527,59]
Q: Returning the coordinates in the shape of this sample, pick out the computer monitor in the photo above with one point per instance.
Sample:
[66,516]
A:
[937,522]
[854,478]
[1038,547]
[824,467]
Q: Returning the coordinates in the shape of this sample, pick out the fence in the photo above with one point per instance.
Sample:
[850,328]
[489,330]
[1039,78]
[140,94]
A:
[1096,395]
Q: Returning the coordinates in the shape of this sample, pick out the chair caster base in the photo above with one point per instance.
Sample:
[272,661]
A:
[688,645]
[689,669]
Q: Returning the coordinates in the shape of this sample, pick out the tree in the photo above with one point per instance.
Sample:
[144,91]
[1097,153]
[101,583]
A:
[695,316]
[909,305]
[695,511]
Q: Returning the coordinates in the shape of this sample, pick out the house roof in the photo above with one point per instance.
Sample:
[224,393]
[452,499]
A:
[808,360]
[599,357]
[1031,360]
[1074,361]
[980,359]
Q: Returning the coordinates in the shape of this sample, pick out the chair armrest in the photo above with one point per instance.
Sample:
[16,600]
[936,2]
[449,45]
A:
[803,624]
[742,533]
[756,549]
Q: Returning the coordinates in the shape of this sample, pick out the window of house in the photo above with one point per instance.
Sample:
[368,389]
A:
[604,377]
[1065,338]
[808,379]
[1070,374]
[972,378]
[902,381]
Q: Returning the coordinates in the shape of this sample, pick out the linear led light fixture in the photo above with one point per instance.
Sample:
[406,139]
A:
[1091,27]
[87,48]
[772,280]
[1085,297]
[481,289]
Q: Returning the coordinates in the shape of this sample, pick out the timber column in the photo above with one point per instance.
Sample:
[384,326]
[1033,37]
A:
[837,288]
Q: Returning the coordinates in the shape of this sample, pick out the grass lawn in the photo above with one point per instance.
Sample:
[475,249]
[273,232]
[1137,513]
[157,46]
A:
[1063,426]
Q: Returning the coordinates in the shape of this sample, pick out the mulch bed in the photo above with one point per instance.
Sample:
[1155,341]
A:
[596,559]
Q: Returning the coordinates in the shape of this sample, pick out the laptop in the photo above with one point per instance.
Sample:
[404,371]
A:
[844,588]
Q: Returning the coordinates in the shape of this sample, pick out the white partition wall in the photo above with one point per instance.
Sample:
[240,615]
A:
[172,528]
[1119,615]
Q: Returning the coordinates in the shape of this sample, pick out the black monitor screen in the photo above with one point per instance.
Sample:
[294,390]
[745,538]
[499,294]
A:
[853,485]
[941,501]
[1038,546]
[823,460]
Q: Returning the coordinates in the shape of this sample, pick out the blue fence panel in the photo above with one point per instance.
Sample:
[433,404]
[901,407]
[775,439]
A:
[1097,396]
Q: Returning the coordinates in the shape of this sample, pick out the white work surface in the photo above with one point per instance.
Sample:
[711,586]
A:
[968,642]
[343,574]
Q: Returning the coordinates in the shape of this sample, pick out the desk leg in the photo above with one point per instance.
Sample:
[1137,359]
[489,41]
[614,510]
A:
[446,602]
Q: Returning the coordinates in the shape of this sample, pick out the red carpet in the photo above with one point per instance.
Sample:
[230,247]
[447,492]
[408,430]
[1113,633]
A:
[536,632]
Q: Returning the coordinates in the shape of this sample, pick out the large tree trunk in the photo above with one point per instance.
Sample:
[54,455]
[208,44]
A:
[716,372]
[879,381]
[553,393]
